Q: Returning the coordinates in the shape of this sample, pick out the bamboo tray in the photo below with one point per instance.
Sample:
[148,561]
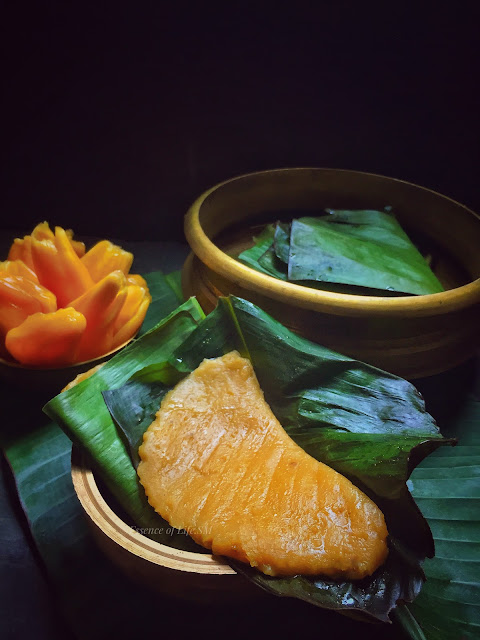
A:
[198,577]
[411,336]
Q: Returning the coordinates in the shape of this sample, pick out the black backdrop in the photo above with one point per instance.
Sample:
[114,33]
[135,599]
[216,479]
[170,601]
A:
[118,115]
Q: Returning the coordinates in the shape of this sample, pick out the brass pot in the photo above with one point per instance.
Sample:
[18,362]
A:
[411,336]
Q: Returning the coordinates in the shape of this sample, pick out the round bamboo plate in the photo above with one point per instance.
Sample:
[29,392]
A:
[411,336]
[200,577]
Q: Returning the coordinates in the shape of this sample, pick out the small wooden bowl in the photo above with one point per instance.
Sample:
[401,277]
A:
[411,336]
[199,577]
[49,381]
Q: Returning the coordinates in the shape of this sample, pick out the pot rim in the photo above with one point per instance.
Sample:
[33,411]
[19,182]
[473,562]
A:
[214,258]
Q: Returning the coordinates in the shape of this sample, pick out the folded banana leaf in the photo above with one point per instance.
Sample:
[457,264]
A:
[262,256]
[274,241]
[369,425]
[83,415]
[166,292]
[364,248]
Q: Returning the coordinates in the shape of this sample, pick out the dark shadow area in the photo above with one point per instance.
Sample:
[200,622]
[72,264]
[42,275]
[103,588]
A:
[117,117]
[445,394]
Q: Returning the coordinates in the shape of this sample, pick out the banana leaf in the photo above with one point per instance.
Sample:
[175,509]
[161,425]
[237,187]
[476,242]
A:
[134,405]
[274,241]
[262,256]
[281,241]
[323,398]
[83,415]
[166,292]
[446,486]
[364,248]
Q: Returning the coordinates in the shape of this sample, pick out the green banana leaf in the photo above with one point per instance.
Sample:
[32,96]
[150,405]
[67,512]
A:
[274,243]
[281,241]
[330,399]
[166,292]
[134,405]
[365,248]
[262,256]
[446,486]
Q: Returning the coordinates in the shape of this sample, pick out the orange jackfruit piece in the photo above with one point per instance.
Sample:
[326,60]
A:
[21,249]
[19,298]
[100,305]
[131,325]
[59,268]
[78,247]
[47,339]
[105,257]
[136,278]
[135,296]
[17,268]
[92,283]
[43,232]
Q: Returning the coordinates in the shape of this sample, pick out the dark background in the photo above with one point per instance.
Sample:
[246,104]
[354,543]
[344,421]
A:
[115,117]
[118,115]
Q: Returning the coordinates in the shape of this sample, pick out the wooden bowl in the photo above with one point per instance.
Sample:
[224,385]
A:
[199,577]
[48,381]
[411,336]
